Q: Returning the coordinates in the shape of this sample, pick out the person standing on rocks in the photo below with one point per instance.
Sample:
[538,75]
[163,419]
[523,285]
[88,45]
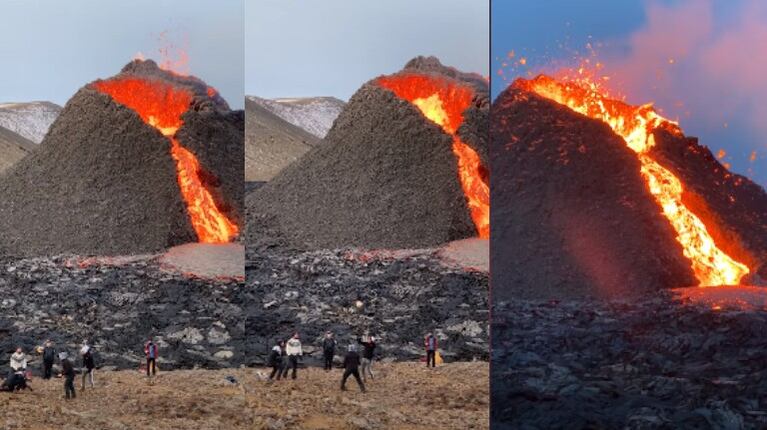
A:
[86,352]
[351,367]
[68,370]
[19,360]
[430,343]
[293,348]
[368,343]
[276,361]
[150,351]
[49,355]
[329,350]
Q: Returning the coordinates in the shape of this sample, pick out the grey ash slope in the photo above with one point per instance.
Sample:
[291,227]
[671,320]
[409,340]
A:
[31,120]
[271,143]
[313,114]
[13,147]
[103,182]
[385,176]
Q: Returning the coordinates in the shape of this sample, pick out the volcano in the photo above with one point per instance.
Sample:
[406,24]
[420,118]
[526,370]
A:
[139,162]
[593,196]
[403,166]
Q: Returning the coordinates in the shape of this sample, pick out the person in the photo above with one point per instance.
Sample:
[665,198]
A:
[68,371]
[150,351]
[275,360]
[351,367]
[430,343]
[88,363]
[329,350]
[294,351]
[49,355]
[284,364]
[16,381]
[19,360]
[369,345]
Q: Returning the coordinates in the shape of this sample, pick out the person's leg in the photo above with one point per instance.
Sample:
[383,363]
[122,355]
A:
[274,370]
[294,365]
[356,374]
[347,372]
[90,376]
[370,368]
[84,375]
[148,360]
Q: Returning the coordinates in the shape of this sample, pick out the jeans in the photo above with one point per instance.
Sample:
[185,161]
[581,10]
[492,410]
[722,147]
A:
[292,363]
[367,368]
[69,387]
[329,360]
[47,369]
[87,373]
[431,358]
[356,374]
[150,364]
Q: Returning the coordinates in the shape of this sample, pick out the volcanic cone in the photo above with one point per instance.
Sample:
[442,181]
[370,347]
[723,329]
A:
[582,206]
[404,166]
[139,162]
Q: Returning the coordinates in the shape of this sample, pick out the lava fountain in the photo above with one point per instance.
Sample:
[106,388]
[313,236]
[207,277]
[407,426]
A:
[443,102]
[161,105]
[635,124]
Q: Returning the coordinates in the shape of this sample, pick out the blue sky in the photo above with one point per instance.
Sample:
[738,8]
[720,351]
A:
[698,60]
[50,48]
[331,47]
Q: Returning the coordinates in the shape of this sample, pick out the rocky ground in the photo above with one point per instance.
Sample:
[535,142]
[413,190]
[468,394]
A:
[403,396]
[649,363]
[399,296]
[117,303]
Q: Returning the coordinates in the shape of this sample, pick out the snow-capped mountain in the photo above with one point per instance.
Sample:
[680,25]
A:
[313,114]
[30,120]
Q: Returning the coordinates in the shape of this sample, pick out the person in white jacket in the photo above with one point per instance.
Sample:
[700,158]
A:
[19,360]
[293,349]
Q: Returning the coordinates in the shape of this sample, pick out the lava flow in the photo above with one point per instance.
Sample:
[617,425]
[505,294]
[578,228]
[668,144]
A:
[443,102]
[161,105]
[635,125]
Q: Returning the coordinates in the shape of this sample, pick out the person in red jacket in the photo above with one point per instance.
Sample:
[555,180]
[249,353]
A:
[430,343]
[150,350]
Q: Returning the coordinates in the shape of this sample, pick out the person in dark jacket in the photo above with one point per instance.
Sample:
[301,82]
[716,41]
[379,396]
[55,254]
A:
[16,381]
[351,367]
[329,349]
[86,352]
[430,344]
[275,360]
[49,355]
[368,343]
[150,351]
[68,371]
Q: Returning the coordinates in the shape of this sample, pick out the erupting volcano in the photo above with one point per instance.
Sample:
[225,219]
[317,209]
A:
[160,105]
[404,166]
[635,125]
[139,162]
[443,102]
[716,218]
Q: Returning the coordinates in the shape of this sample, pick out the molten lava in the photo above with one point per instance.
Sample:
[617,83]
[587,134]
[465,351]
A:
[443,102]
[161,105]
[635,125]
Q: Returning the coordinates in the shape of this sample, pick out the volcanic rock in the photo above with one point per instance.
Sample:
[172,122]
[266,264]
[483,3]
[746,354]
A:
[572,215]
[385,176]
[103,181]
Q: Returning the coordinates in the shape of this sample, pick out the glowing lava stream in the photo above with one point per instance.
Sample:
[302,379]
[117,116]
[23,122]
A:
[161,105]
[443,102]
[635,125]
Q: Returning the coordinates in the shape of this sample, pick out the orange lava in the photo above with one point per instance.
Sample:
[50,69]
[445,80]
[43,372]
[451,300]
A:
[443,102]
[635,124]
[161,105]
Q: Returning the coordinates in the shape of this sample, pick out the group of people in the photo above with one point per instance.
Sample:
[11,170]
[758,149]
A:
[19,376]
[285,355]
